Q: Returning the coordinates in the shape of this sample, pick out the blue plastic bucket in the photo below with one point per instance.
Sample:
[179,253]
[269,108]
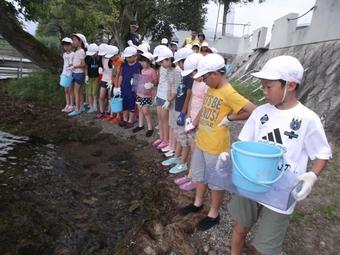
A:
[256,165]
[66,80]
[116,104]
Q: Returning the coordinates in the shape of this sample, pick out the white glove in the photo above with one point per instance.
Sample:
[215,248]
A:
[138,103]
[109,85]
[100,70]
[148,85]
[308,180]
[130,43]
[166,105]
[116,91]
[225,122]
[70,68]
[86,79]
[188,125]
[222,157]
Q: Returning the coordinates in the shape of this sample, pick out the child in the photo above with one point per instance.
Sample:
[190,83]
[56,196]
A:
[221,104]
[129,69]
[180,110]
[286,121]
[199,89]
[68,60]
[93,63]
[78,72]
[166,75]
[146,82]
[105,81]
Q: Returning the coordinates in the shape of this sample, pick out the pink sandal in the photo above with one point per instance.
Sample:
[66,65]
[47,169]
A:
[188,186]
[182,180]
[156,143]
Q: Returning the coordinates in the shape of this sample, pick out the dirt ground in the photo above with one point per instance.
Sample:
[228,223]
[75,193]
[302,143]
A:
[105,192]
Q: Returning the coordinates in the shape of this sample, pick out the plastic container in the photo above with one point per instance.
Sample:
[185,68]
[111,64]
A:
[65,80]
[256,165]
[116,104]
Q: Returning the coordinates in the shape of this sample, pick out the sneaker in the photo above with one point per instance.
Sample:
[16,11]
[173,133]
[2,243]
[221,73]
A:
[116,120]
[137,129]
[90,110]
[162,145]
[149,133]
[82,109]
[156,142]
[207,223]
[122,123]
[191,208]
[74,113]
[69,109]
[170,161]
[169,154]
[189,186]
[179,168]
[128,125]
[166,149]
[182,180]
[65,108]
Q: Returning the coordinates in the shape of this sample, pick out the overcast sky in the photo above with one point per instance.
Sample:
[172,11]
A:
[257,14]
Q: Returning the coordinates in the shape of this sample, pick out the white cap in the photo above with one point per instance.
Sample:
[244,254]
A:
[147,45]
[191,62]
[285,68]
[164,41]
[189,46]
[214,50]
[129,51]
[102,49]
[143,48]
[92,49]
[111,51]
[174,43]
[182,53]
[204,44]
[164,54]
[67,40]
[210,63]
[81,37]
[147,55]
[157,50]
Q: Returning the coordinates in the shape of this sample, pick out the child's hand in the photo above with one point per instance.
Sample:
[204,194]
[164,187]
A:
[222,157]
[100,70]
[166,105]
[308,180]
[116,91]
[189,125]
[225,122]
[70,68]
[109,85]
[148,85]
[86,79]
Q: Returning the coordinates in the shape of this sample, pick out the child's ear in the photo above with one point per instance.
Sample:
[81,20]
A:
[292,86]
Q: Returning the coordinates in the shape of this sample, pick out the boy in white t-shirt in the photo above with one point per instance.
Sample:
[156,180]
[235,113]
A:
[285,121]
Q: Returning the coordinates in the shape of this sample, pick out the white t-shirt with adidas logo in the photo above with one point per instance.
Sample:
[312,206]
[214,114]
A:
[298,129]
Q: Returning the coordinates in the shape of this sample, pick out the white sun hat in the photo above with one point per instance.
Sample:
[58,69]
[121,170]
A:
[188,46]
[182,53]
[210,63]
[111,51]
[164,54]
[164,41]
[102,49]
[92,49]
[81,37]
[129,52]
[67,40]
[157,50]
[191,63]
[214,50]
[204,44]
[285,68]
[147,55]
[143,48]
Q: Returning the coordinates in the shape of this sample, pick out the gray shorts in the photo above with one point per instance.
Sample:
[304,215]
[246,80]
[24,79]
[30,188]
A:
[159,101]
[272,226]
[203,164]
[180,134]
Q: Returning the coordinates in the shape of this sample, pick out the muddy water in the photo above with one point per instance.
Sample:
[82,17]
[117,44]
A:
[77,197]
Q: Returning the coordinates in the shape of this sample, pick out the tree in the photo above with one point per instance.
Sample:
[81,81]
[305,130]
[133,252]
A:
[226,8]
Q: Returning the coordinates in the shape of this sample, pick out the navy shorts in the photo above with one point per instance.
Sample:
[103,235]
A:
[129,102]
[79,78]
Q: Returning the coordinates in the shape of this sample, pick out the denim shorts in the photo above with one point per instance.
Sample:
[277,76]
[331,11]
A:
[79,78]
[159,101]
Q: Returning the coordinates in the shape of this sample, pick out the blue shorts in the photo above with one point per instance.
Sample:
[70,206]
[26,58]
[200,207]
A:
[159,101]
[79,78]
[129,102]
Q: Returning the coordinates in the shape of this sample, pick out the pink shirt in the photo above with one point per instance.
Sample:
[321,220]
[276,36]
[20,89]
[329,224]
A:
[197,95]
[79,55]
[147,75]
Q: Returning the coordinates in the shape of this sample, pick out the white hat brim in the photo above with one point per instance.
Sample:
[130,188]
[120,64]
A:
[200,74]
[265,76]
[187,72]
[102,53]
[90,53]
[108,55]
[161,59]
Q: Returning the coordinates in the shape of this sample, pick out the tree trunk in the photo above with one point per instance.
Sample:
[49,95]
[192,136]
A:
[26,44]
[224,20]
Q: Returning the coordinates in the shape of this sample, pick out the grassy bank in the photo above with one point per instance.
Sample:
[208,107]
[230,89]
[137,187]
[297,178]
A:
[251,91]
[40,87]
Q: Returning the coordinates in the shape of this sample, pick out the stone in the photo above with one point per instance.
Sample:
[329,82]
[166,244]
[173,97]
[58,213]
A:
[212,253]
[149,251]
[134,206]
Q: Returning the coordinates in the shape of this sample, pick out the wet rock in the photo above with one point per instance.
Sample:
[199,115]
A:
[212,253]
[2,171]
[149,251]
[206,248]
[90,201]
[134,206]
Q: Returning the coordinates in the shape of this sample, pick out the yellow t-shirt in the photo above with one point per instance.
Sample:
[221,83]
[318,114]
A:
[217,104]
[189,40]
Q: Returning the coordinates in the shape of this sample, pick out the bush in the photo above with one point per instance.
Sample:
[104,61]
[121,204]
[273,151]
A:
[251,91]
[41,87]
[51,42]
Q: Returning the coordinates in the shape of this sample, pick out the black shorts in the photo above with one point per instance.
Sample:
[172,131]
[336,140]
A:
[103,84]
[143,101]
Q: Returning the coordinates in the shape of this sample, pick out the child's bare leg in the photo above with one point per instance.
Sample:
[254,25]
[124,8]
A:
[77,95]
[185,154]
[160,126]
[102,99]
[178,149]
[131,115]
[146,113]
[216,202]
[71,89]
[67,96]
[125,116]
[238,238]
[201,188]
[165,124]
[140,116]
[90,99]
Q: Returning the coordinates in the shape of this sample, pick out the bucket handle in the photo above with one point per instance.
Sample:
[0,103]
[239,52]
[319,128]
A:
[263,183]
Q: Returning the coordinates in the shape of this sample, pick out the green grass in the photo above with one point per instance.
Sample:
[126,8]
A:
[249,91]
[40,87]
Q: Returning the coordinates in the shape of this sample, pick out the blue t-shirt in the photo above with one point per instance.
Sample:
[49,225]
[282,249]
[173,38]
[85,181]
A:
[186,83]
[128,72]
